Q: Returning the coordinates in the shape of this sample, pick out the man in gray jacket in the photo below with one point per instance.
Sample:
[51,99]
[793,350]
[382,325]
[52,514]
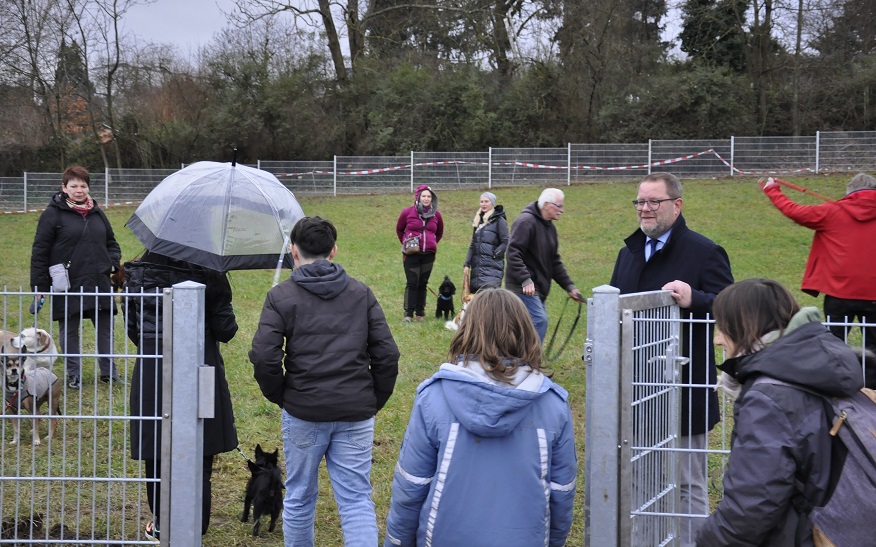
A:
[534,259]
[329,333]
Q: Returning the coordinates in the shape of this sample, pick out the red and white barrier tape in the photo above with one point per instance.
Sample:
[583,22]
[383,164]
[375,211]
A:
[556,167]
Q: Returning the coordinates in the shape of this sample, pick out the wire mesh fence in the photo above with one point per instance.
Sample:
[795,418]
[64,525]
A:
[835,151]
[67,475]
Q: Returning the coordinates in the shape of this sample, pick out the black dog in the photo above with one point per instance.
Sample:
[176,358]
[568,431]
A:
[445,299]
[264,490]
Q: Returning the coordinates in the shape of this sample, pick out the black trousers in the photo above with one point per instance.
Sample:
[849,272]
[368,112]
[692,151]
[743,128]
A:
[846,310]
[418,268]
[153,491]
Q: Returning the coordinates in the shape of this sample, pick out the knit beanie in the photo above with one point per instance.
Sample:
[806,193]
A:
[490,196]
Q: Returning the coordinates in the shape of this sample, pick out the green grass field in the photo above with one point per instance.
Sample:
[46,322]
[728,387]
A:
[733,212]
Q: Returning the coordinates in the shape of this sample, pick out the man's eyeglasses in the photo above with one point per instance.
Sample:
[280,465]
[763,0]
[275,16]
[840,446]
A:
[653,204]
[557,205]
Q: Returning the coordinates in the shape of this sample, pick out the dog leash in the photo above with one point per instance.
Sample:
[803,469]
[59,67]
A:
[17,392]
[547,352]
[245,457]
[441,296]
[11,402]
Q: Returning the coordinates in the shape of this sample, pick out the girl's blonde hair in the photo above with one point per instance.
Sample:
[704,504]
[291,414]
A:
[497,332]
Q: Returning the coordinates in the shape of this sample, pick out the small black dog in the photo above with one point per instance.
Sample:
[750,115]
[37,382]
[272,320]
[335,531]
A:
[264,490]
[445,299]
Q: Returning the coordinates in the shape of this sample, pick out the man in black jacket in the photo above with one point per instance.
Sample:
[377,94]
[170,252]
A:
[340,363]
[665,254]
[534,259]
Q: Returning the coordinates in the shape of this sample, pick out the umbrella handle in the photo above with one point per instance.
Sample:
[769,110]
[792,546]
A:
[283,252]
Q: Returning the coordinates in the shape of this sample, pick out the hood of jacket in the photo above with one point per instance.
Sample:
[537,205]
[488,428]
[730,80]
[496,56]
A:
[430,212]
[322,278]
[532,209]
[491,409]
[860,204]
[807,355]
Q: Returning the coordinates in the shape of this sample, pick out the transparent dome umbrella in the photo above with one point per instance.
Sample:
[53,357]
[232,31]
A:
[223,216]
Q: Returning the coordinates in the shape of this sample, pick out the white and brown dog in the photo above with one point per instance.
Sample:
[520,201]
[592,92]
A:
[28,390]
[37,348]
[455,322]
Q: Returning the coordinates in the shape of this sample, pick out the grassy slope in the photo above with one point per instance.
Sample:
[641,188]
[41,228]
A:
[733,212]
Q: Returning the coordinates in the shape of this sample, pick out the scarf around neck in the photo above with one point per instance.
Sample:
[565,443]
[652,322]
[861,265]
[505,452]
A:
[81,208]
[482,218]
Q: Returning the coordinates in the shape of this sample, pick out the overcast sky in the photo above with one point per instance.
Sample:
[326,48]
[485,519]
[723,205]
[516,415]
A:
[187,24]
[190,24]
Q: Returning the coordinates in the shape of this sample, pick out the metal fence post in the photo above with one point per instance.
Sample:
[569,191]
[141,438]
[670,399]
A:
[106,181]
[25,191]
[817,150]
[335,176]
[490,168]
[650,149]
[732,153]
[569,164]
[412,171]
[602,448]
[183,445]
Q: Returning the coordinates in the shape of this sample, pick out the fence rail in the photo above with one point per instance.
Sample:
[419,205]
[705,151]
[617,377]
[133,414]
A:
[344,175]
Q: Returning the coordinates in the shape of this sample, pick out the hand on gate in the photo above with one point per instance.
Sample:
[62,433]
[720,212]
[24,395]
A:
[681,292]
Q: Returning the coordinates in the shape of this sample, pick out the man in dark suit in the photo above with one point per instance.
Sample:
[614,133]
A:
[665,254]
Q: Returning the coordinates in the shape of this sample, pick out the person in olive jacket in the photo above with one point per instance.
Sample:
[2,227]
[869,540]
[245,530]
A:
[73,231]
[485,261]
[152,273]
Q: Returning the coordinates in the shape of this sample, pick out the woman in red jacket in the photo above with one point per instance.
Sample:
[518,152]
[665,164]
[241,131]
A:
[419,229]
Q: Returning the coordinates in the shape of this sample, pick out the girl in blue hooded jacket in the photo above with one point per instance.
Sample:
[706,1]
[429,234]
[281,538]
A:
[488,457]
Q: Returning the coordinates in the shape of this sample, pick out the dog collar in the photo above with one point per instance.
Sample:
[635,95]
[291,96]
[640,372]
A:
[46,347]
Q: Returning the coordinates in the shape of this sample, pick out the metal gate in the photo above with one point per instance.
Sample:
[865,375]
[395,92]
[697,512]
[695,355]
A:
[82,487]
[633,424]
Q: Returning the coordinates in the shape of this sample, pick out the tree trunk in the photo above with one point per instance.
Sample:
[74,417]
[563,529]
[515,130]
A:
[334,43]
[795,92]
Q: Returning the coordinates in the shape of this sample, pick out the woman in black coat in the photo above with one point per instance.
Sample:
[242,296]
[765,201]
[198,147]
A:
[485,261]
[74,232]
[152,274]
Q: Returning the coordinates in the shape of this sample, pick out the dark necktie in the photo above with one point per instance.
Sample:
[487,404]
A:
[653,244]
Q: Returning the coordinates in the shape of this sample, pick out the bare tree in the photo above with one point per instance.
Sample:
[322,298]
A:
[33,32]
[97,25]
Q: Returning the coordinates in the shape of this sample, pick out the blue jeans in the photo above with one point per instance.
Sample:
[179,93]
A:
[537,312]
[347,450]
